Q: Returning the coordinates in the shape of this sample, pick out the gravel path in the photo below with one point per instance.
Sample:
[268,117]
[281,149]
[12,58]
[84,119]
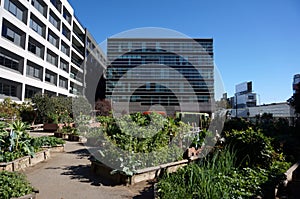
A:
[67,176]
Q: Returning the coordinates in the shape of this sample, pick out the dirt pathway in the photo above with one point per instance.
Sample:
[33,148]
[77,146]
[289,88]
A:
[67,176]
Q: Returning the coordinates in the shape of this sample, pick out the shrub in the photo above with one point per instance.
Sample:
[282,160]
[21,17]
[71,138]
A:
[254,149]
[53,109]
[13,185]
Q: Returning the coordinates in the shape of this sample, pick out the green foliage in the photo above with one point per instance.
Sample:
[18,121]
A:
[146,140]
[141,133]
[9,109]
[17,143]
[254,149]
[213,177]
[13,185]
[80,106]
[217,176]
[238,124]
[53,109]
[43,141]
[27,112]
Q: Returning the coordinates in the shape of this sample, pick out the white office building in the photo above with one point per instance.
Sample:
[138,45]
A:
[43,49]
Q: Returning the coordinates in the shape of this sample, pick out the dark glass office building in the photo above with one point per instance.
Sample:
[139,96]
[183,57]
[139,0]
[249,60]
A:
[174,73]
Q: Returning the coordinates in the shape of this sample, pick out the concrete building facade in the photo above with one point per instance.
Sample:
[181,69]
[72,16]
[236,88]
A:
[174,73]
[43,48]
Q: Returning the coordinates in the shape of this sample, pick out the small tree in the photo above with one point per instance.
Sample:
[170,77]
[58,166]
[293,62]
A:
[103,107]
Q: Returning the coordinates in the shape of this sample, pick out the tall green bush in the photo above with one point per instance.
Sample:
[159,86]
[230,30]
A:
[254,149]
[53,109]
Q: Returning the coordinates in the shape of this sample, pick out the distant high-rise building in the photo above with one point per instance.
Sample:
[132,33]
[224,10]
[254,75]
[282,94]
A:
[244,96]
[176,73]
[296,83]
[42,50]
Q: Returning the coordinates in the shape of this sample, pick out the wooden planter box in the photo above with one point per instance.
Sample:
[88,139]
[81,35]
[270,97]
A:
[39,157]
[50,127]
[149,173]
[24,162]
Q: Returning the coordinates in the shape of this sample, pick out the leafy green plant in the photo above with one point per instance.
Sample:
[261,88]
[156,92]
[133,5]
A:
[213,177]
[13,185]
[254,149]
[48,141]
[146,140]
[16,142]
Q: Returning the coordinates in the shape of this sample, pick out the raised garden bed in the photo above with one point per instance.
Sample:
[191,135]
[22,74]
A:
[24,162]
[55,149]
[140,175]
[27,161]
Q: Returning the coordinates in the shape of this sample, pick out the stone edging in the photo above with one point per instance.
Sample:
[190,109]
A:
[27,161]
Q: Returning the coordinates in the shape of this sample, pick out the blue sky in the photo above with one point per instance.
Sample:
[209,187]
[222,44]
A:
[254,40]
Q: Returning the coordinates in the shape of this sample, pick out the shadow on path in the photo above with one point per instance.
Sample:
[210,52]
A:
[147,192]
[83,173]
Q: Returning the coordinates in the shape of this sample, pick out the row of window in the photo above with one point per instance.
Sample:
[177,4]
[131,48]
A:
[17,36]
[50,77]
[41,6]
[12,61]
[14,89]
[18,10]
[188,46]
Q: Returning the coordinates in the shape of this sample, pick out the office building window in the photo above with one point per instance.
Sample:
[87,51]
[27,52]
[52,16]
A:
[67,15]
[8,89]
[50,77]
[54,20]
[64,65]
[65,48]
[52,58]
[36,48]
[40,6]
[57,4]
[9,62]
[30,91]
[34,70]
[63,82]
[53,39]
[66,32]
[16,10]
[11,35]
[49,93]
[37,25]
